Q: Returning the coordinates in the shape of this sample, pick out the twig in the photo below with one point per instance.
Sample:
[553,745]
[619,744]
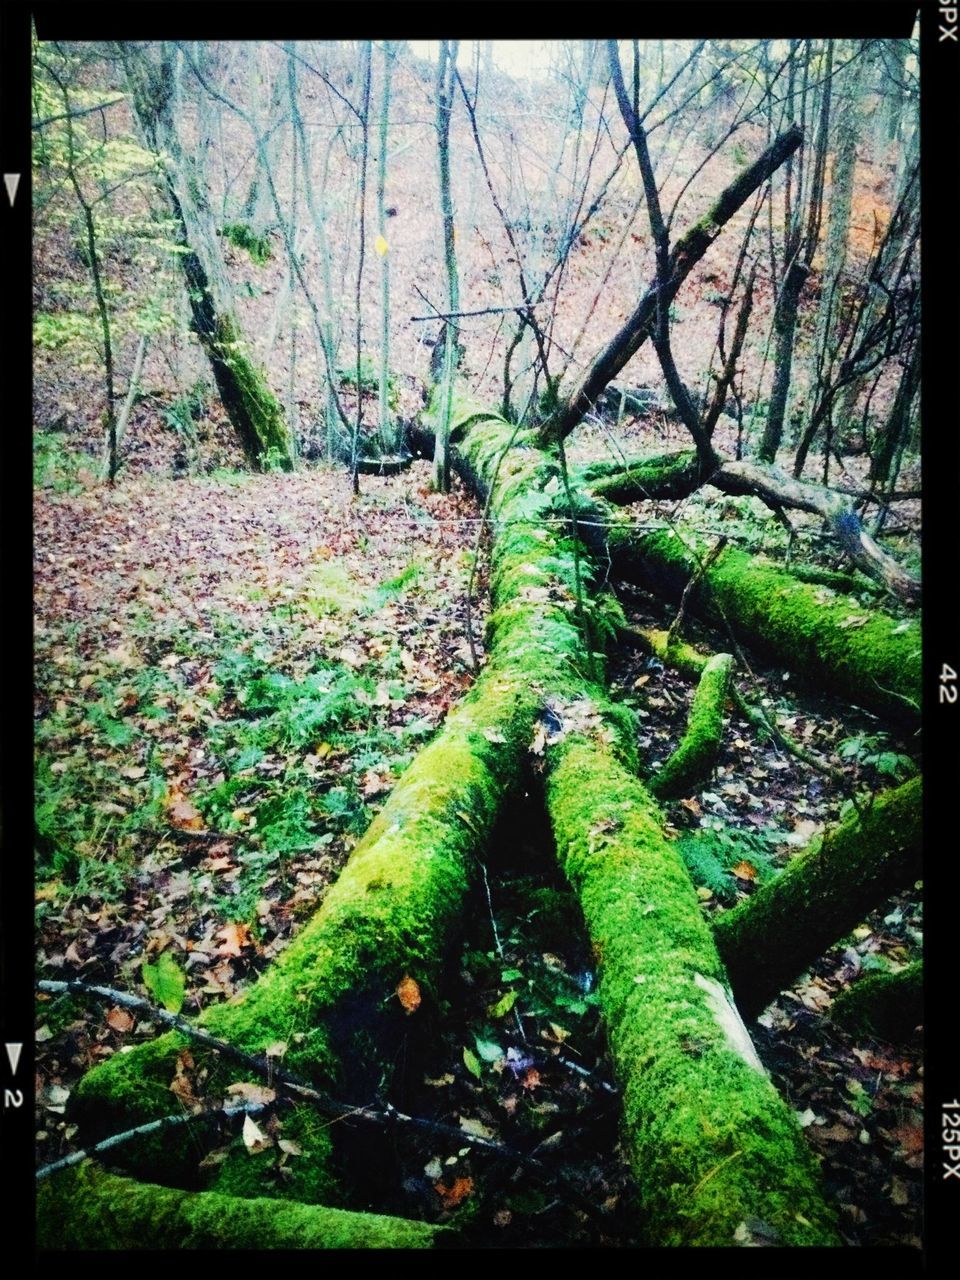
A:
[154,1126]
[702,567]
[387,1114]
[484,311]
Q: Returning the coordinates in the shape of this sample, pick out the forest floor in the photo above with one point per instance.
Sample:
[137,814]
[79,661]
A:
[231,672]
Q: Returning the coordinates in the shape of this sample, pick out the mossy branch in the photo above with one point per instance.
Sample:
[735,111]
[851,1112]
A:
[884,1006]
[86,1208]
[696,757]
[823,893]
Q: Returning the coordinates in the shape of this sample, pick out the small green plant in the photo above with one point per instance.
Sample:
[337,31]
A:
[872,751]
[274,459]
[182,415]
[55,466]
[244,237]
[714,855]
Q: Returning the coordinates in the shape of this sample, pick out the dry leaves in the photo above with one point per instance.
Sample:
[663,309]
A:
[408,993]
[454,1194]
[119,1019]
[235,938]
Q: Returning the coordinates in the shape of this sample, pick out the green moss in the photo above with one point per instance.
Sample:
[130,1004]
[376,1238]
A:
[823,893]
[663,476]
[395,909]
[244,237]
[885,1006]
[711,1145]
[696,756]
[85,1208]
[250,404]
[869,657]
[393,912]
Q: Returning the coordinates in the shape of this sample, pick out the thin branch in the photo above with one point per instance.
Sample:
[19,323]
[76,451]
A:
[80,111]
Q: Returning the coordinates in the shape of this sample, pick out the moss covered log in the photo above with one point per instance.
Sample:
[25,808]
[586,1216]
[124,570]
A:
[823,893]
[330,996]
[696,757]
[884,1006]
[86,1208]
[396,907]
[868,657]
[665,476]
[713,1148]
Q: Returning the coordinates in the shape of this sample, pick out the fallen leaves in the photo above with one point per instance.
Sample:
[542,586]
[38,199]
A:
[235,938]
[251,1093]
[254,1139]
[119,1019]
[456,1193]
[182,812]
[408,993]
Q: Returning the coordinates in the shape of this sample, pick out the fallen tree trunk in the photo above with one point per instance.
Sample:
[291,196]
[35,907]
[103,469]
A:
[869,658]
[331,997]
[779,490]
[398,903]
[712,1146]
[676,475]
[85,1208]
[884,1006]
[823,893]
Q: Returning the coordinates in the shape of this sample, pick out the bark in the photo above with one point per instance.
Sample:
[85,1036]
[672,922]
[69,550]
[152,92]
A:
[870,658]
[696,757]
[884,1006]
[446,71]
[785,325]
[85,1208]
[824,893]
[892,434]
[777,489]
[686,253]
[249,403]
[711,1144]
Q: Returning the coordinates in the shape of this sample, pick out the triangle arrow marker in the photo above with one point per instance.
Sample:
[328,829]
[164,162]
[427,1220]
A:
[11,181]
[13,1053]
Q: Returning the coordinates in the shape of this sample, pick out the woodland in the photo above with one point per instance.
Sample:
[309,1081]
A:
[477,758]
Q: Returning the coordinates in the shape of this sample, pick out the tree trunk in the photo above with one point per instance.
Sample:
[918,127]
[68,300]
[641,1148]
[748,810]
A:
[710,1143]
[249,403]
[824,893]
[686,253]
[446,72]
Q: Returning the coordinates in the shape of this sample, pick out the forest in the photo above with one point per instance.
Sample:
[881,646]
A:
[477,643]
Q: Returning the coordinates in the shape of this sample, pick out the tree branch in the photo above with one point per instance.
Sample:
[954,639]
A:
[686,253]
